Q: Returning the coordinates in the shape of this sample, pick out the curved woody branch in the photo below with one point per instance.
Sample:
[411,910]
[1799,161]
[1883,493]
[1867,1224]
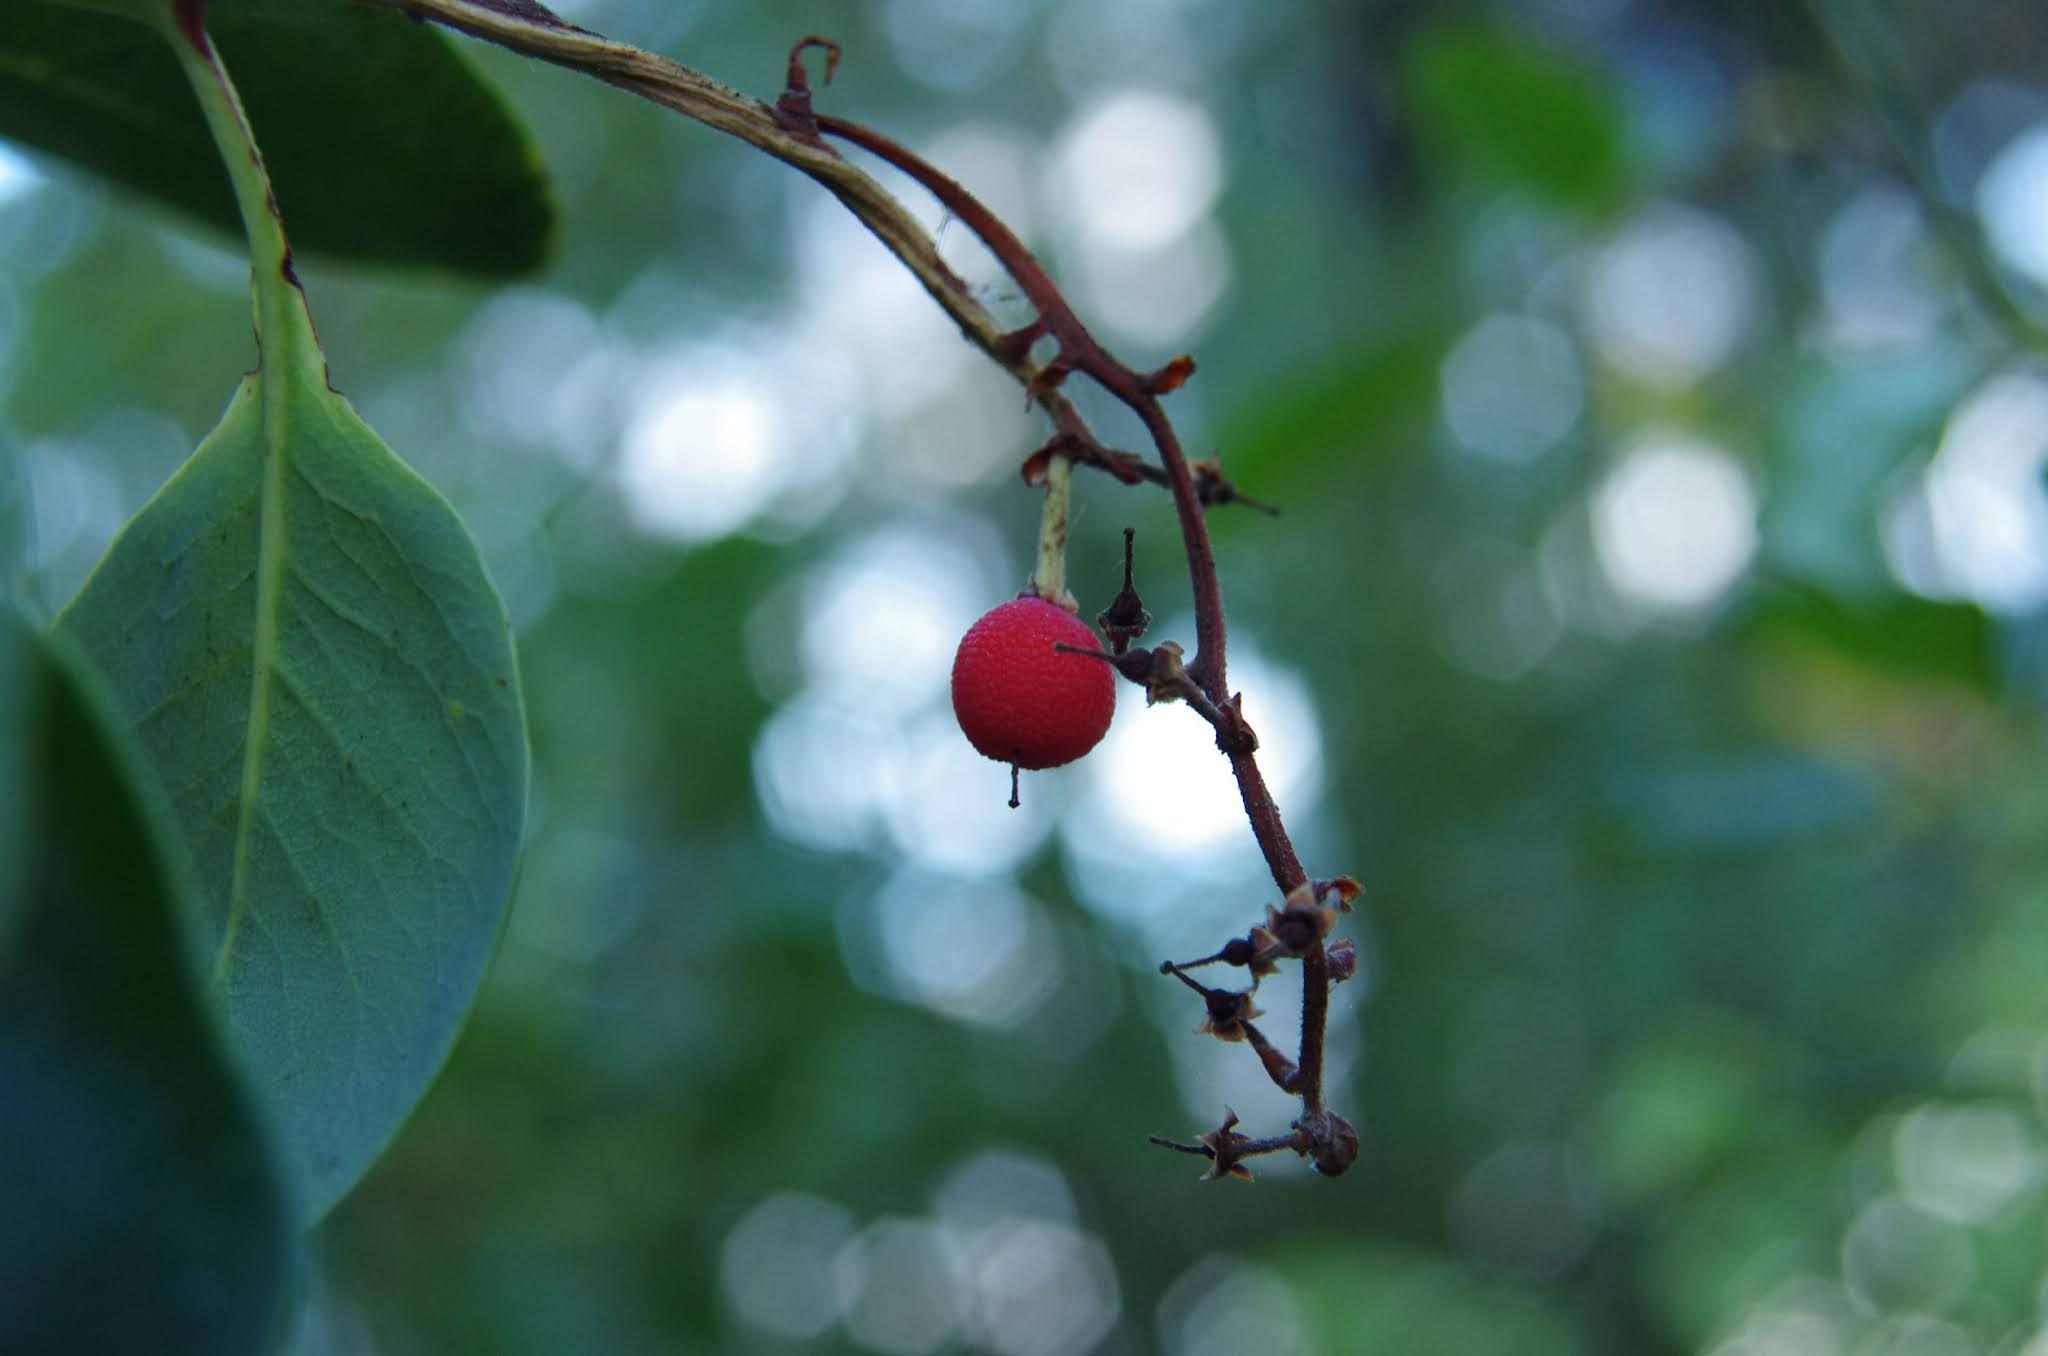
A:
[793,132]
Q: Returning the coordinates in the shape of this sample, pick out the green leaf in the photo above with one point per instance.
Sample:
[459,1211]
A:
[142,1209]
[1374,1299]
[1896,634]
[304,638]
[13,527]
[1356,409]
[384,144]
[1496,104]
[16,685]
[323,679]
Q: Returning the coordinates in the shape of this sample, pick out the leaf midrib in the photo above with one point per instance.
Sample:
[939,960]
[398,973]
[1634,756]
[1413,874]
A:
[270,553]
[287,354]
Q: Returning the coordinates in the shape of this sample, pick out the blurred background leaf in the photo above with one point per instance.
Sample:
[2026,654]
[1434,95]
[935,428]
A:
[1490,101]
[384,144]
[142,1208]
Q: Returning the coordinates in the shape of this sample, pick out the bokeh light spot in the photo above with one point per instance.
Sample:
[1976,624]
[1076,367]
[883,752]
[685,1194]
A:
[702,454]
[1976,525]
[1877,284]
[1511,387]
[980,951]
[1964,1163]
[900,1294]
[953,812]
[1156,785]
[1001,164]
[74,509]
[1674,523]
[1041,1285]
[989,1187]
[18,178]
[892,348]
[510,364]
[1803,1317]
[824,773]
[1226,1306]
[2012,199]
[1898,1259]
[776,1265]
[1671,296]
[882,618]
[1045,1290]
[1159,295]
[1140,170]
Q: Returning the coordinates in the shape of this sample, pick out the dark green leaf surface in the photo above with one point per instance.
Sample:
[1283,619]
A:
[13,520]
[323,679]
[1353,411]
[1500,106]
[142,1211]
[383,144]
[1905,636]
[15,768]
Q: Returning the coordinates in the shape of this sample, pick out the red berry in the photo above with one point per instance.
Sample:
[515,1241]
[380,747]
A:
[1021,701]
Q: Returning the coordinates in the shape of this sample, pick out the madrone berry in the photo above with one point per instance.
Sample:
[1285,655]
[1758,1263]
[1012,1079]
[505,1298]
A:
[1021,701]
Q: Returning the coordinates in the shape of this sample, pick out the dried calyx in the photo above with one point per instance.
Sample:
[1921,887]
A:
[1125,619]
[1297,928]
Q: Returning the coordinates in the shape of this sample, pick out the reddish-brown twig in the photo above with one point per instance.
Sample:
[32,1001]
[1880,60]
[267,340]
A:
[794,132]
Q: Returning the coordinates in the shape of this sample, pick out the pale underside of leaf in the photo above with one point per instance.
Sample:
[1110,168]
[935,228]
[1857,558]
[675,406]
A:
[324,680]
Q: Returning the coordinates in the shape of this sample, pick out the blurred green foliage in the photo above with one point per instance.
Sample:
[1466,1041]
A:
[366,161]
[1502,105]
[1646,388]
[132,1162]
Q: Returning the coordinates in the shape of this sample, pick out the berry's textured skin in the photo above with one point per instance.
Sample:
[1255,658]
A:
[1021,701]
